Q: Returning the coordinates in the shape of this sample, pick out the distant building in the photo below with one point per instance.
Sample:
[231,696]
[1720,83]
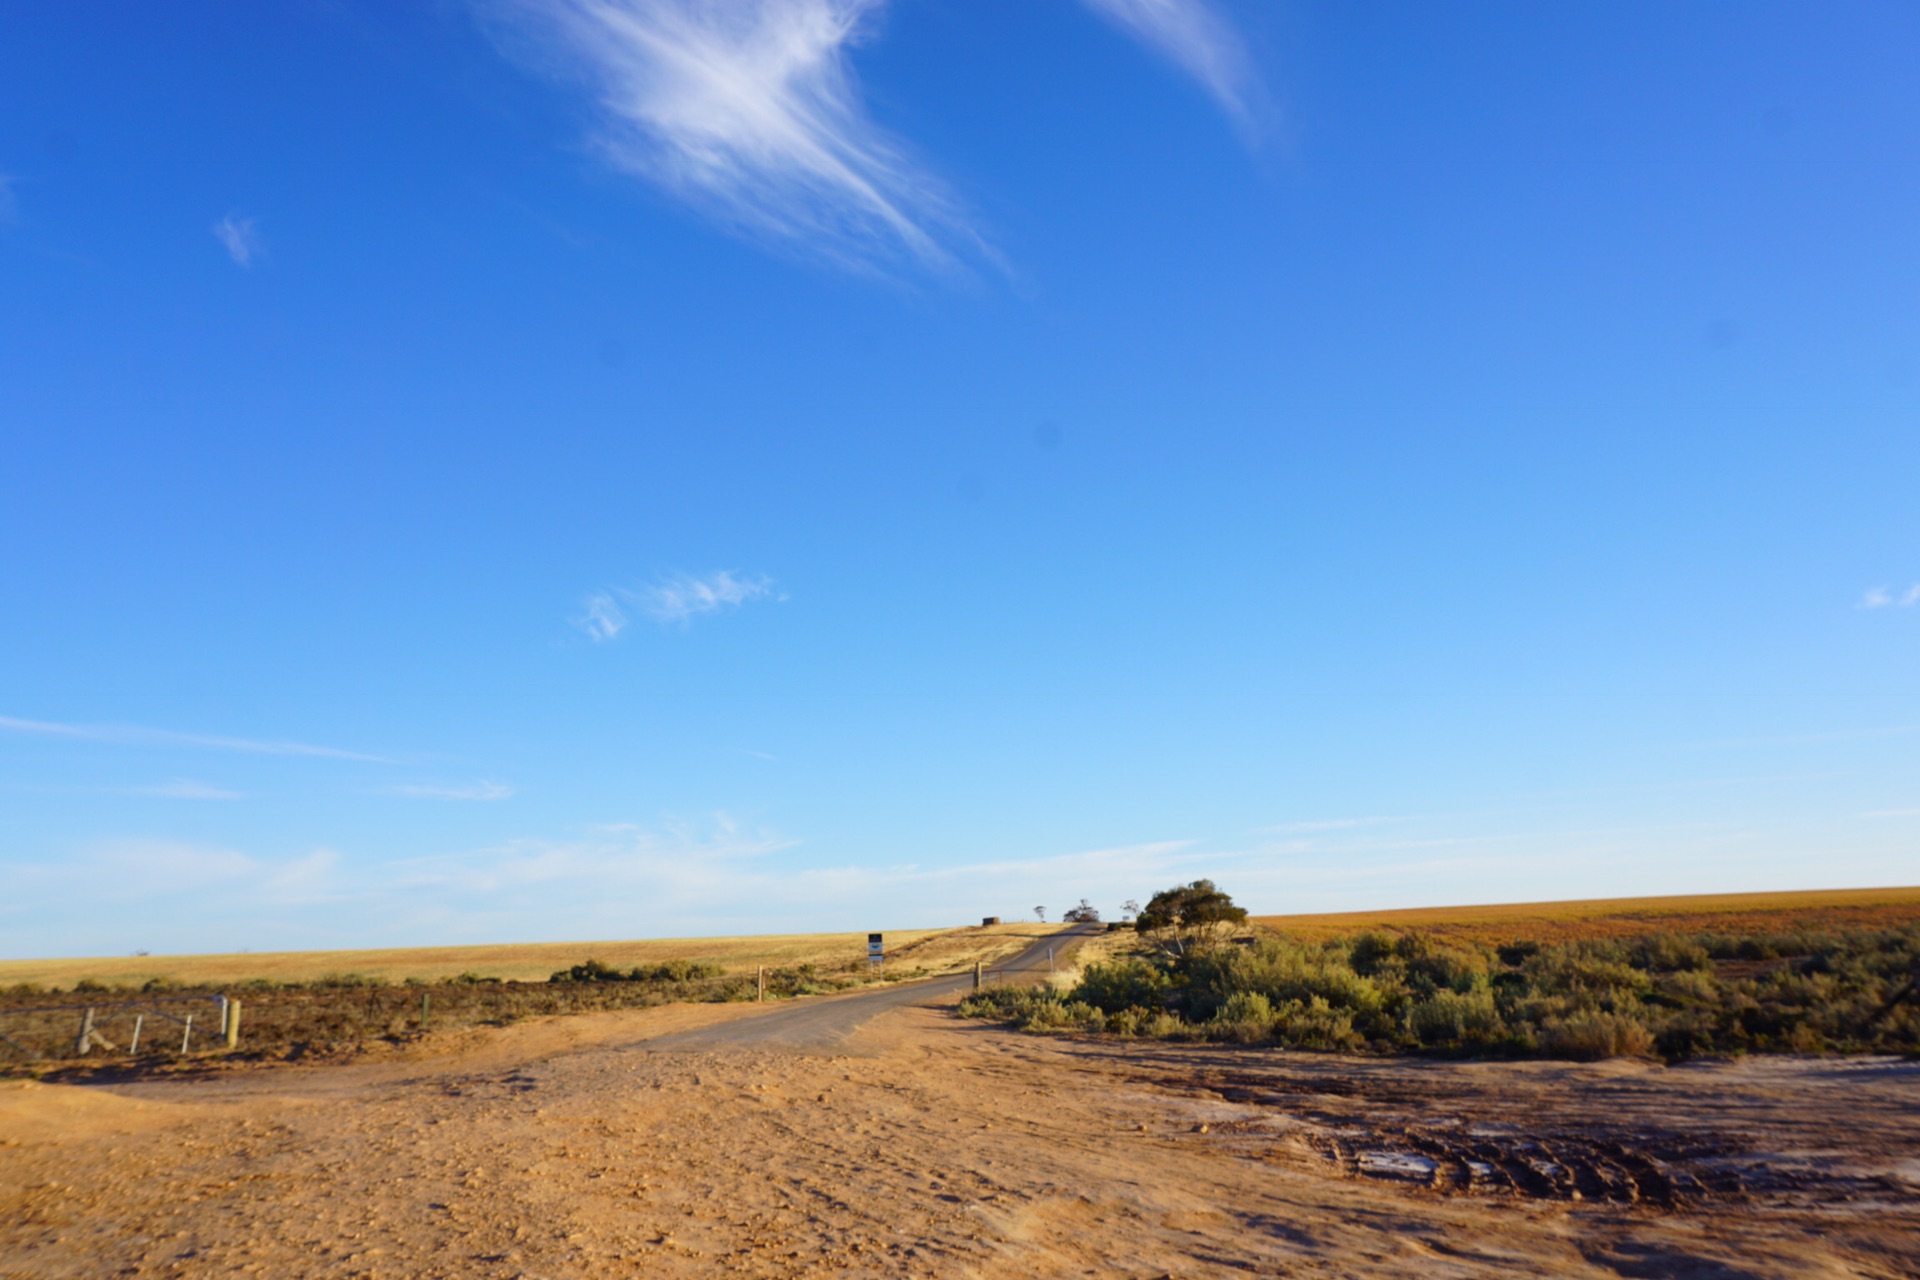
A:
[989,920]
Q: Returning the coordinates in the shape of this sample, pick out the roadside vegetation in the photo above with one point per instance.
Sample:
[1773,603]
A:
[1198,975]
[346,1013]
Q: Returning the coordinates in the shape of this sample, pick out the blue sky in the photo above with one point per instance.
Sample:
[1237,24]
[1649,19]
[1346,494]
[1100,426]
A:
[593,468]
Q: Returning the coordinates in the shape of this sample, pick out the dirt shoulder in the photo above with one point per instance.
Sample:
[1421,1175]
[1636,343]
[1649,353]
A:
[949,1148]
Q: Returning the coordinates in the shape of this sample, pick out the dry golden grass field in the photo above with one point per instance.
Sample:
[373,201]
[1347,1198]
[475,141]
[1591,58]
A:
[929,949]
[1744,913]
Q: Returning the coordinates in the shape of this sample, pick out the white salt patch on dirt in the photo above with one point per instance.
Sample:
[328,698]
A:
[1397,1164]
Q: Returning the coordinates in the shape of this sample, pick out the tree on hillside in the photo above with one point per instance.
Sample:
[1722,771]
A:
[1041,913]
[1189,916]
[1082,914]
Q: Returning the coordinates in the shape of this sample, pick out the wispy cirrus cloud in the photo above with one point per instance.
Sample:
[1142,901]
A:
[750,111]
[683,597]
[1194,36]
[138,736]
[483,790]
[1882,597]
[601,616]
[240,237]
[675,600]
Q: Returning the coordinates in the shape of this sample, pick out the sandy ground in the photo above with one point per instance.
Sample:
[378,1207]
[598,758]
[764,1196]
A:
[930,1146]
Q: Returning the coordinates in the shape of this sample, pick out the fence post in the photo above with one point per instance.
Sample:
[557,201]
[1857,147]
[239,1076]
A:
[976,975]
[133,1046]
[85,1042]
[186,1037]
[1049,959]
[233,1024]
[760,983]
[425,1004]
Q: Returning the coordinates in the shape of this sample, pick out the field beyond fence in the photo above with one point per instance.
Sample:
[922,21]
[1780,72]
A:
[1625,917]
[520,962]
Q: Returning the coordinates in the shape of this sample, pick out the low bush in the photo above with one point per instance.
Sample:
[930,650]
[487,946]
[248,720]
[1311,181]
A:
[665,971]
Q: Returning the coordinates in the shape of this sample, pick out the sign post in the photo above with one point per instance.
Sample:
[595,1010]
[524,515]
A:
[876,951]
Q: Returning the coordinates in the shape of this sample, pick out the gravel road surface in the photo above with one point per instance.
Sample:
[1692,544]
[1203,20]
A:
[827,1025]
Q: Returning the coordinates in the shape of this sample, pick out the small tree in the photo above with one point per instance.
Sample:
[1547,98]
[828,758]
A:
[1189,916]
[1082,914]
[1040,913]
[1129,909]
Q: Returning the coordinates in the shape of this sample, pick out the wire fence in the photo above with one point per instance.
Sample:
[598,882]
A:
[331,1015]
[131,1027]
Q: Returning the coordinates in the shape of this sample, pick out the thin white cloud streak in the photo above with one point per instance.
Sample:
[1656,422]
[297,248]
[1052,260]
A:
[142,870]
[682,598]
[1194,36]
[136,736]
[1883,597]
[484,790]
[749,110]
[672,601]
[240,237]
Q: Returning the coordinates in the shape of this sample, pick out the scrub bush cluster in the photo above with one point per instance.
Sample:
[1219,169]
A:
[1668,995]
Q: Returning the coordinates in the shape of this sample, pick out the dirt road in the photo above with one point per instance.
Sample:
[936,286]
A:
[620,1145]
[830,1023]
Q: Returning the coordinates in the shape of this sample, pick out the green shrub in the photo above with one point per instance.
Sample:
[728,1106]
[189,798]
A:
[1458,1020]
[1166,1026]
[1670,953]
[589,970]
[1515,953]
[340,981]
[675,971]
[1123,984]
[1246,1017]
[1008,1003]
[1062,1015]
[1589,1037]
[1315,1024]
[663,972]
